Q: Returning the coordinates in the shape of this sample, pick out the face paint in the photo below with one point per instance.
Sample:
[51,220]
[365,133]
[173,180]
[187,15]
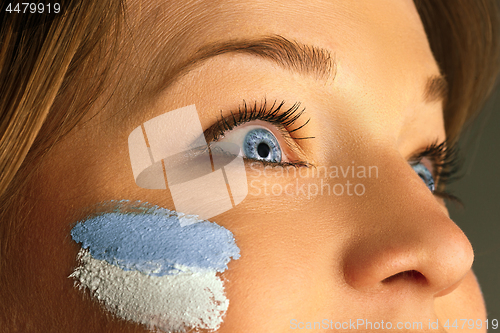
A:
[155,266]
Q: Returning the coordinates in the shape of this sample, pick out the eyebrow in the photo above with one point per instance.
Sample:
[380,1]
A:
[291,55]
[305,59]
[436,89]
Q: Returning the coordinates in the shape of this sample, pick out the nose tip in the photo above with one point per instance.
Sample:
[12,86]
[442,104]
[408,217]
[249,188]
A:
[452,261]
[431,254]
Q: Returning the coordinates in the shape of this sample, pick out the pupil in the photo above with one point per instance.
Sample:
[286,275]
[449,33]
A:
[263,150]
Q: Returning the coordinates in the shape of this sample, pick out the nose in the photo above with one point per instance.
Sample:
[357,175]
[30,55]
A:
[403,237]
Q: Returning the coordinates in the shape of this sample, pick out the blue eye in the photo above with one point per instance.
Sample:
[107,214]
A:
[424,174]
[261,144]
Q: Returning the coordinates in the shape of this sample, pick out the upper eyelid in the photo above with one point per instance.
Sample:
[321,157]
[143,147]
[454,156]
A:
[444,158]
[271,113]
[435,153]
[275,114]
[436,149]
[210,133]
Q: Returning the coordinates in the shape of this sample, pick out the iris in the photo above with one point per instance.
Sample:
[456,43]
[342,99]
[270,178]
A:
[261,144]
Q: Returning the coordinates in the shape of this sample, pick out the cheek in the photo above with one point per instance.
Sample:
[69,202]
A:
[266,292]
[284,271]
[155,267]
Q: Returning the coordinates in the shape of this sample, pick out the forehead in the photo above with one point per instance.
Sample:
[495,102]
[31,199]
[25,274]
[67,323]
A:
[369,36]
[382,56]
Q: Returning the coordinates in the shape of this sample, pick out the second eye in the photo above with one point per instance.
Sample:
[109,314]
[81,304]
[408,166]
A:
[424,174]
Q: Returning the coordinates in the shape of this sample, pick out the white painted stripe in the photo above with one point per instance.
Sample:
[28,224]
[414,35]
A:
[171,303]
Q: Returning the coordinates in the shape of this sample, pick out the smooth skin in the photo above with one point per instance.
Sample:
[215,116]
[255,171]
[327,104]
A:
[391,254]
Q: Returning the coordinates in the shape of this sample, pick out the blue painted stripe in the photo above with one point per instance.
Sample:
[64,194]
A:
[152,241]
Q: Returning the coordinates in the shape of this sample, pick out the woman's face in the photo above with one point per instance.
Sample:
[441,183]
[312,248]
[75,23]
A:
[334,246]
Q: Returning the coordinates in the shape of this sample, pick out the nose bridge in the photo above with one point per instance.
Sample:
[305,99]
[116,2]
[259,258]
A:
[400,232]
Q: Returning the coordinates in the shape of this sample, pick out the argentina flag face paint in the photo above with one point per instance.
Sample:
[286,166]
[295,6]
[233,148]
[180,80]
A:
[155,266]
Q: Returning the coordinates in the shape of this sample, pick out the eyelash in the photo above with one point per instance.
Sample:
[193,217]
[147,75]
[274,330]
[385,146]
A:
[446,164]
[267,113]
[444,157]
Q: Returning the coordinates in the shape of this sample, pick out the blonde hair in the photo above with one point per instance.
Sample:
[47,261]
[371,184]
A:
[464,38]
[44,92]
[42,59]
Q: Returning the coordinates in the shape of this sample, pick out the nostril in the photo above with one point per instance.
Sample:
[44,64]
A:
[411,276]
